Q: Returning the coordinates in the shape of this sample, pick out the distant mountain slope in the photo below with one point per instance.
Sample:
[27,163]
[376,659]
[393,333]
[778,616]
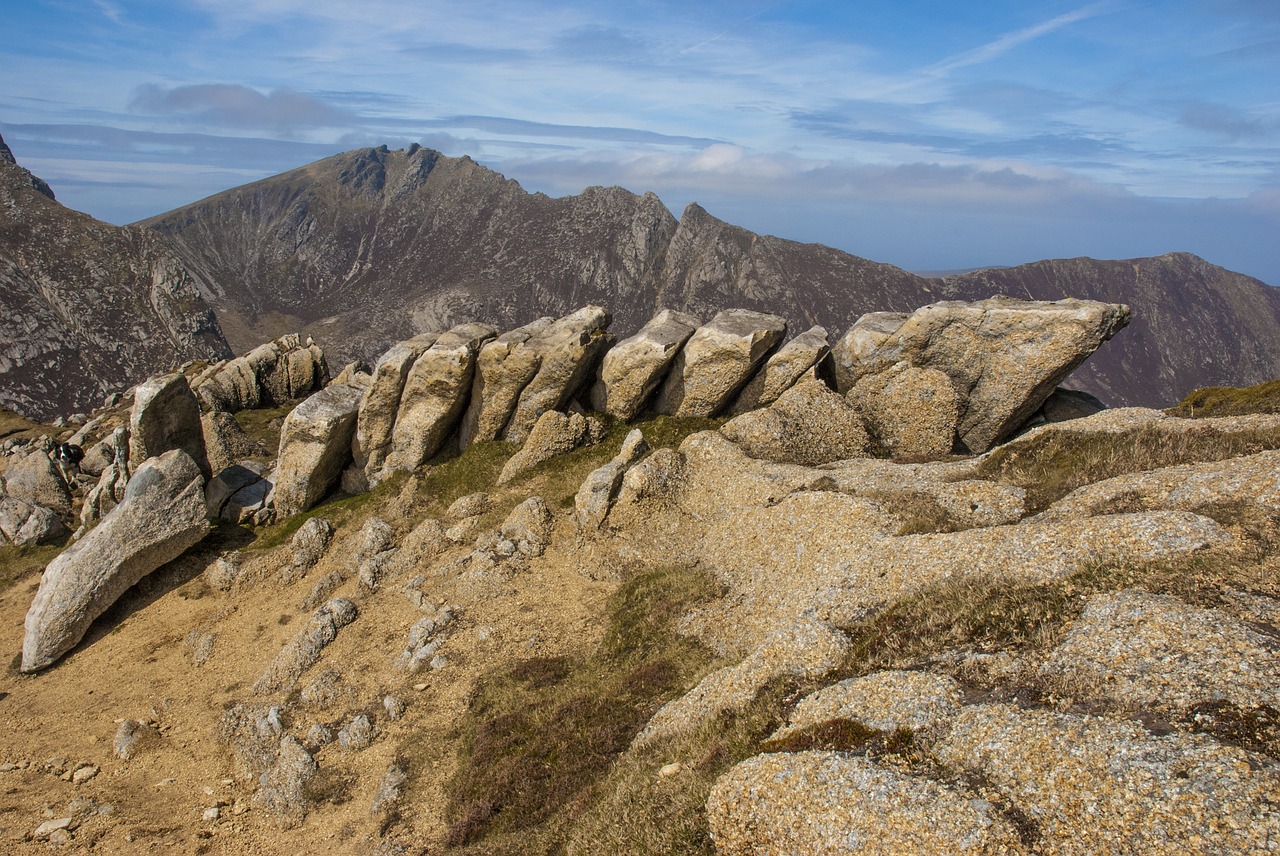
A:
[88,308]
[371,246]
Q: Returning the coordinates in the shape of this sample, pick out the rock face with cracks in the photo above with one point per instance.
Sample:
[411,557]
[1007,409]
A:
[315,444]
[717,361]
[1004,356]
[163,513]
[634,367]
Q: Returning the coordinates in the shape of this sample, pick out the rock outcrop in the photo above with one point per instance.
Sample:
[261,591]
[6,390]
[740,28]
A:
[805,356]
[569,349]
[632,369]
[166,416]
[315,445]
[272,374]
[435,395]
[381,403]
[808,424]
[504,368]
[1004,357]
[163,513]
[717,361]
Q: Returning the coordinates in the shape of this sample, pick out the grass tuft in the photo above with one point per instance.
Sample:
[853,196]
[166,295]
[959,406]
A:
[1229,401]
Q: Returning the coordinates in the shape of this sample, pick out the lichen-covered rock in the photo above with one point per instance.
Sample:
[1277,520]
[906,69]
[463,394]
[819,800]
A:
[504,367]
[806,648]
[22,523]
[471,505]
[166,416]
[109,491]
[435,395]
[528,527]
[554,434]
[886,701]
[718,361]
[911,412]
[163,513]
[1151,650]
[808,424]
[862,339]
[381,401]
[599,489]
[632,369]
[270,375]
[1094,785]
[303,651]
[829,802]
[34,478]
[570,348]
[226,442]
[309,543]
[282,791]
[315,444]
[1004,356]
[787,367]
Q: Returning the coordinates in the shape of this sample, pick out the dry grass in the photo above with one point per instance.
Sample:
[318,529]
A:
[13,424]
[1230,401]
[540,734]
[17,563]
[1054,463]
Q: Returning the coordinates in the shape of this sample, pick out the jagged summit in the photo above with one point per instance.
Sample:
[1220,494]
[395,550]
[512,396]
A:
[88,308]
[375,245]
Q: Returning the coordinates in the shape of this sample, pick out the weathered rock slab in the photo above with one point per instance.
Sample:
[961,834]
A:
[504,367]
[829,802]
[633,369]
[808,424]
[166,416]
[911,412]
[162,515]
[718,361]
[570,348]
[554,434]
[315,444]
[787,367]
[381,402]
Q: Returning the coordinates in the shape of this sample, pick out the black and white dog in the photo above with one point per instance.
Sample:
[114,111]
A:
[68,457]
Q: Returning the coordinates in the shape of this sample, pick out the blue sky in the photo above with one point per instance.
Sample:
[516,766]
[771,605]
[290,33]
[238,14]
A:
[931,135]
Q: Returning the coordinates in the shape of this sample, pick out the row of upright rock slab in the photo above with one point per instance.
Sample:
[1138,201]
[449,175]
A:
[950,377]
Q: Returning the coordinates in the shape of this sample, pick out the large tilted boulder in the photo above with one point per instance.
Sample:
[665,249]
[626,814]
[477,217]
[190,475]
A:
[634,367]
[226,442]
[718,361]
[809,424]
[162,515]
[504,367]
[911,412]
[271,374]
[788,366]
[1004,356]
[381,401]
[315,444]
[570,348]
[435,395]
[166,416]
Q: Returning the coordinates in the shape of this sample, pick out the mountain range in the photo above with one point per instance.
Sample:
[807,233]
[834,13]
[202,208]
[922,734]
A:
[372,246]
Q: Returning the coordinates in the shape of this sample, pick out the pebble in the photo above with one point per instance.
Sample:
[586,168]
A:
[211,814]
[669,770]
[395,707]
[47,828]
[84,774]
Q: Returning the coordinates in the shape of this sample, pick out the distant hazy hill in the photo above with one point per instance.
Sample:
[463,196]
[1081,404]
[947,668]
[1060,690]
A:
[85,307]
[370,246]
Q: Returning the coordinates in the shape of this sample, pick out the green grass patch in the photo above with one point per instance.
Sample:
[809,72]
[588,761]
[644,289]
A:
[261,425]
[451,476]
[541,734]
[1052,464]
[1230,401]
